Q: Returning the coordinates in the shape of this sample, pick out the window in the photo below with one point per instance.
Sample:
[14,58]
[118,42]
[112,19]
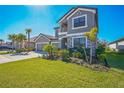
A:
[79,21]
[79,42]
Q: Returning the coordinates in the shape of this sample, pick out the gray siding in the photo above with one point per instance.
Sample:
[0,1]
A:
[90,21]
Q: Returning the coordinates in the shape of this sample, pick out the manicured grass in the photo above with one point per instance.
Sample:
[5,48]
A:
[38,72]
[5,52]
[116,60]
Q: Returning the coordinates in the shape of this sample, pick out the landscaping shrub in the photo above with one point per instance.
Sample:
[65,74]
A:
[20,50]
[82,51]
[30,49]
[64,54]
[77,54]
[107,49]
[51,49]
[100,49]
[101,57]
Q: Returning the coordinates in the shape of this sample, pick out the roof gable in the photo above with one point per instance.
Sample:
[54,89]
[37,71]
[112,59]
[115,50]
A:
[48,37]
[41,35]
[74,10]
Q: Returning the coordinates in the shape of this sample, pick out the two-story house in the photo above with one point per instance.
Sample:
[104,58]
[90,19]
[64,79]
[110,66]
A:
[70,32]
[72,26]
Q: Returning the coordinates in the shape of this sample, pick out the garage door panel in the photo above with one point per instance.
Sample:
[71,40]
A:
[40,46]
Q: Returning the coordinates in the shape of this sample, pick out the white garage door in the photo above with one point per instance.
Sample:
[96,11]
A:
[40,46]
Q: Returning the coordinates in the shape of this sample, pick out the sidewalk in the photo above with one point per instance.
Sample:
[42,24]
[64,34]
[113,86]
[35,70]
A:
[10,58]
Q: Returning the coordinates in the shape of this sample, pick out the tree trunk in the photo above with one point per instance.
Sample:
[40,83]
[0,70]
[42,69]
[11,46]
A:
[28,39]
[91,53]
[85,54]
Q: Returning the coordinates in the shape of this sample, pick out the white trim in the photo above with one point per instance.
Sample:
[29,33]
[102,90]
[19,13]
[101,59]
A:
[68,35]
[75,34]
[83,9]
[86,25]
[66,15]
[40,36]
[62,33]
[63,37]
[79,37]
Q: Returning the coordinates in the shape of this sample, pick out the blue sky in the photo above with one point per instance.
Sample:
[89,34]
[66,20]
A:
[42,19]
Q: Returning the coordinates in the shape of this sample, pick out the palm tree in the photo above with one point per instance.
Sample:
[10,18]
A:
[92,36]
[1,41]
[20,39]
[28,31]
[13,38]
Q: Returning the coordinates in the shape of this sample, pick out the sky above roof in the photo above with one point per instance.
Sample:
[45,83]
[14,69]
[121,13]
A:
[42,19]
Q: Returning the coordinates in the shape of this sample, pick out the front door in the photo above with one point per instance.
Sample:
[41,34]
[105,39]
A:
[64,43]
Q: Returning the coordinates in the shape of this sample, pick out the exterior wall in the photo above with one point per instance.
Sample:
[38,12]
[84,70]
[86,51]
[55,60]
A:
[40,42]
[112,46]
[39,46]
[90,22]
[120,45]
[56,44]
[31,45]
[69,41]
[70,33]
[57,30]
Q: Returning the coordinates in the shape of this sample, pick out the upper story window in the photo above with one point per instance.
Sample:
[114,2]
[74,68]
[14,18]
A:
[79,22]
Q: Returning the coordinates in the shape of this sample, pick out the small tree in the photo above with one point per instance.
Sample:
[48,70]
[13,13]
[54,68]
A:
[92,36]
[50,49]
[20,38]
[28,32]
[13,38]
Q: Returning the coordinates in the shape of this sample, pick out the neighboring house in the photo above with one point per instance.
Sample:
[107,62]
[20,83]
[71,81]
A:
[73,25]
[39,41]
[6,46]
[117,45]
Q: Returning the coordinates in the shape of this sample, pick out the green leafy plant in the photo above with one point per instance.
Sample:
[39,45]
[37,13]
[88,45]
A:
[64,54]
[77,54]
[20,50]
[100,49]
[92,36]
[101,57]
[30,49]
[50,49]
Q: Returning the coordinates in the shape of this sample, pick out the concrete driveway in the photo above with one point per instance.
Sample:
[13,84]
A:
[9,57]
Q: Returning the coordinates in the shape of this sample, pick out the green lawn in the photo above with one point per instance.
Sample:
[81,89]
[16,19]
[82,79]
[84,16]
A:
[38,72]
[116,60]
[5,52]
